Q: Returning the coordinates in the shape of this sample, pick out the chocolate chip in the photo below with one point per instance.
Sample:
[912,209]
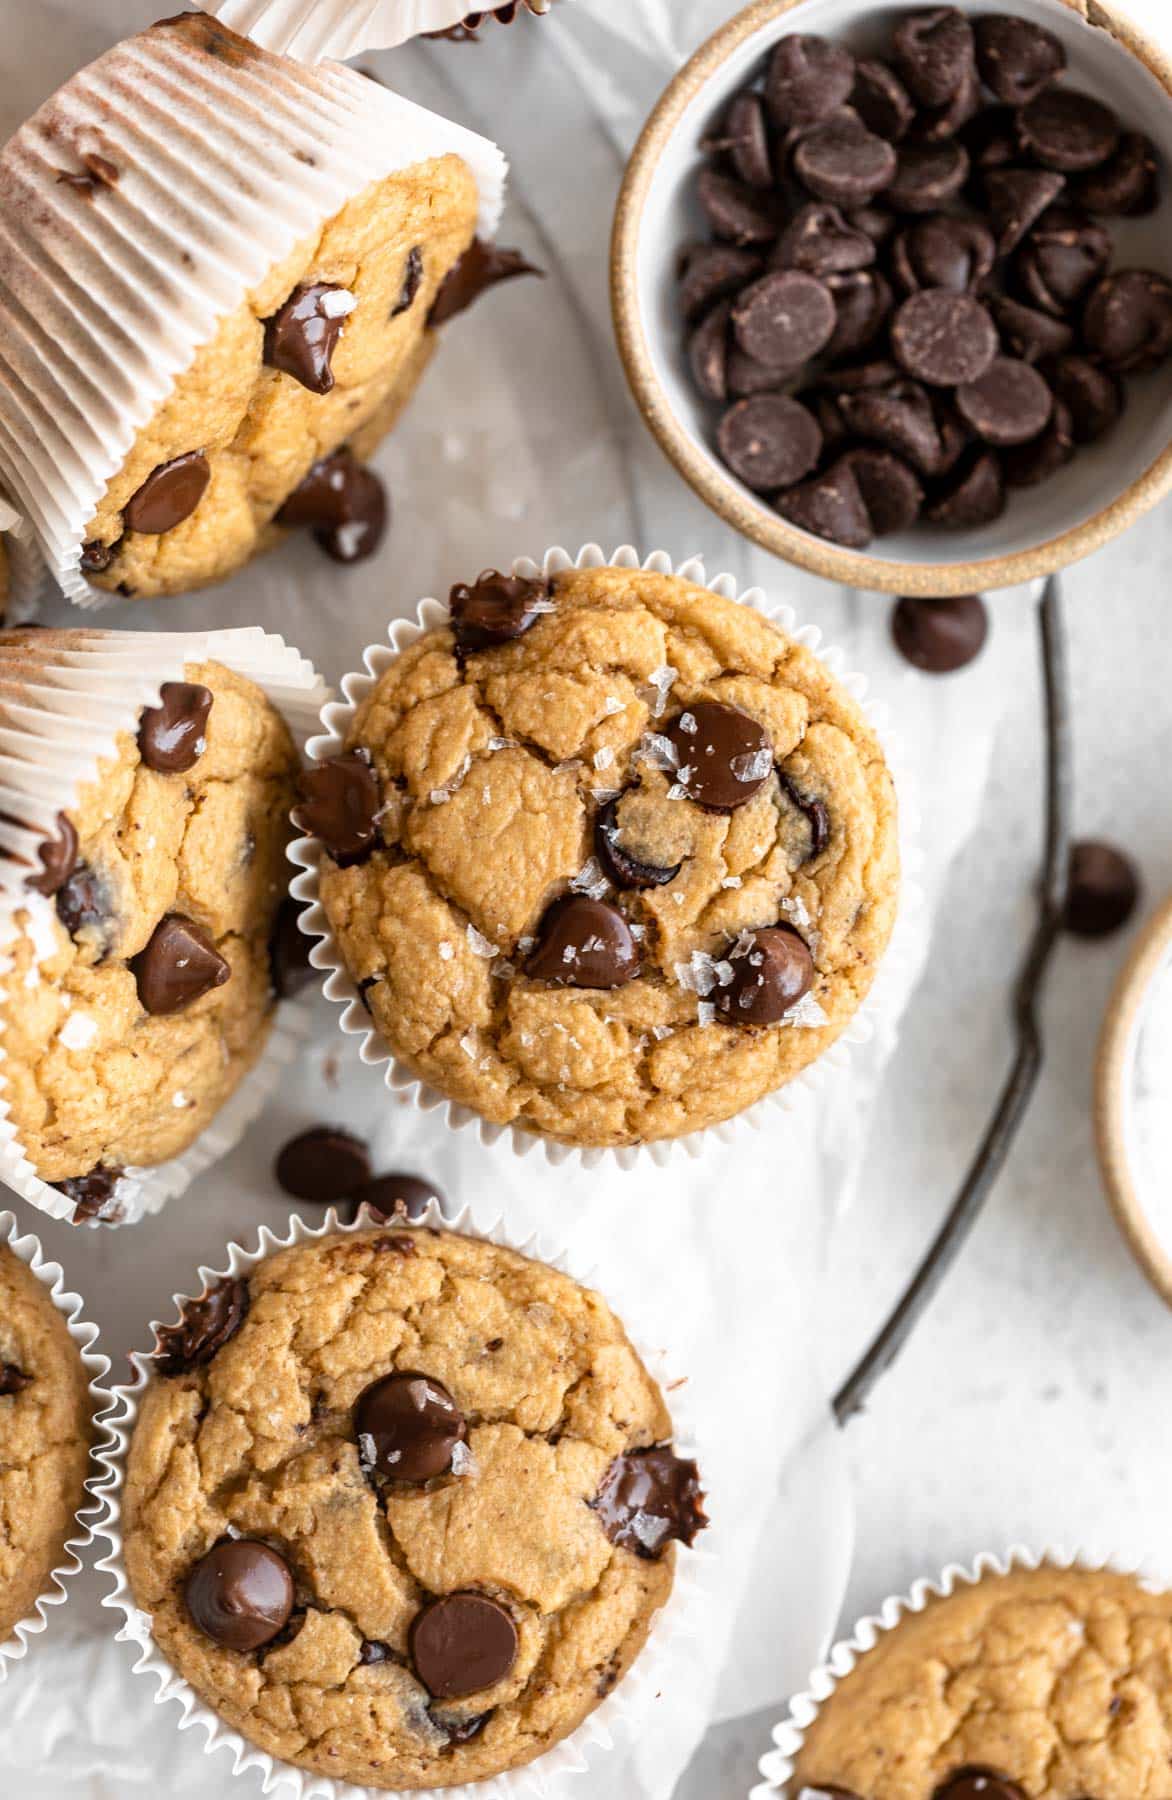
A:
[412,277]
[744,376]
[1127,184]
[169,495]
[862,302]
[829,506]
[1016,199]
[840,160]
[892,493]
[1103,890]
[13,1380]
[94,1196]
[772,971]
[1065,254]
[625,870]
[1029,333]
[881,100]
[940,636]
[289,952]
[205,1326]
[807,80]
[1029,464]
[495,608]
[1094,396]
[928,175]
[178,966]
[482,266]
[900,417]
[813,811]
[861,378]
[343,503]
[96,557]
[819,241]
[83,900]
[724,755]
[978,1784]
[370,1652]
[735,211]
[974,495]
[324,1164]
[942,252]
[461,1643]
[461,1731]
[991,138]
[876,221]
[784,318]
[58,856]
[408,1427]
[1017,59]
[944,338]
[340,804]
[1008,405]
[708,352]
[240,1594]
[770,441]
[301,338]
[712,272]
[173,735]
[745,137]
[648,1498]
[939,123]
[1066,130]
[1128,321]
[583,943]
[933,51]
[397,1194]
[99,171]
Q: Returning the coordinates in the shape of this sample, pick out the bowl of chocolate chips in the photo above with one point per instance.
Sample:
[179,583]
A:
[892,285]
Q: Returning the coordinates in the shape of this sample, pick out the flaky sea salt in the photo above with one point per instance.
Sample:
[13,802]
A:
[439,796]
[660,682]
[541,606]
[468,1045]
[687,722]
[705,1012]
[659,1032]
[731,881]
[500,743]
[179,1099]
[590,880]
[611,705]
[805,1014]
[478,943]
[795,909]
[657,750]
[78,1032]
[753,766]
[698,975]
[446,950]
[336,303]
[604,757]
[463,1462]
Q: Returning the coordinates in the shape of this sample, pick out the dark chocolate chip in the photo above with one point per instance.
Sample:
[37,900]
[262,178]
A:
[813,811]
[745,138]
[724,755]
[955,435]
[495,608]
[1029,333]
[939,123]
[1029,464]
[892,493]
[928,175]
[583,943]
[301,338]
[876,221]
[179,965]
[991,138]
[1127,184]
[860,378]
[1017,59]
[371,1652]
[625,870]
[745,376]
[96,557]
[735,211]
[934,52]
[83,900]
[1103,890]
[881,100]
[772,971]
[412,277]
[840,160]
[12,1380]
[1128,321]
[345,505]
[862,304]
[829,506]
[712,272]
[940,636]
[204,1327]
[819,241]
[898,416]
[708,352]
[289,952]
[1016,199]
[240,1594]
[942,252]
[978,1784]
[1066,130]
[770,441]
[173,735]
[324,1164]
[807,80]
[169,495]
[649,1498]
[1009,404]
[408,1427]
[943,338]
[1094,396]
[461,1643]
[1065,254]
[397,1194]
[340,804]
[482,266]
[972,496]
[784,318]
[58,855]
[461,1731]
[94,1196]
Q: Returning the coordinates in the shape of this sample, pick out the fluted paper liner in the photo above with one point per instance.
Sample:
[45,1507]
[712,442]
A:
[26,570]
[340,987]
[777,1765]
[675,1630]
[313,29]
[58,720]
[223,163]
[52,1277]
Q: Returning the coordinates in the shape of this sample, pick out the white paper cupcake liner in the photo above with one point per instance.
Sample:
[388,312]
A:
[65,720]
[877,1009]
[777,1765]
[675,1631]
[223,165]
[26,568]
[313,29]
[97,1367]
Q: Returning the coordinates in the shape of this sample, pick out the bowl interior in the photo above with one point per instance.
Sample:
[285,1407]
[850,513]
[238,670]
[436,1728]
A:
[1145,1114]
[1100,474]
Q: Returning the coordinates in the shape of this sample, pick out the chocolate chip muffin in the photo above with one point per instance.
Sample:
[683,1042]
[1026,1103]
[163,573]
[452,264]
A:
[609,857]
[138,991]
[402,1505]
[44,1438]
[1054,1684]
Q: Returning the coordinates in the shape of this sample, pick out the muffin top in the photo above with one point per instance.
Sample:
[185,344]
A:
[1047,1685]
[44,1438]
[609,856]
[139,989]
[401,1505]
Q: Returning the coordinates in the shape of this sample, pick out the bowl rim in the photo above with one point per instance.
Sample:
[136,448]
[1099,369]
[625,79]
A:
[1109,1108]
[848,568]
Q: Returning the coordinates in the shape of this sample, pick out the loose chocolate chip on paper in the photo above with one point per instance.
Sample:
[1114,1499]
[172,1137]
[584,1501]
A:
[1016,58]
[169,495]
[95,1195]
[882,101]
[1067,130]
[343,503]
[1127,184]
[841,161]
[1009,404]
[205,1326]
[583,943]
[944,338]
[1016,199]
[712,272]
[13,1380]
[770,441]
[819,241]
[397,1194]
[340,804]
[324,1164]
[784,318]
[829,506]
[496,608]
[1103,889]
[173,735]
[1093,395]
[482,266]
[461,1643]
[301,338]
[927,176]
[808,79]
[412,278]
[649,1498]
[408,1427]
[940,636]
[735,211]
[892,492]
[178,966]
[240,1594]
[724,755]
[58,857]
[1128,321]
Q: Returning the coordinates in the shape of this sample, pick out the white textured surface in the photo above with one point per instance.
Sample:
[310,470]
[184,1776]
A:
[1032,1405]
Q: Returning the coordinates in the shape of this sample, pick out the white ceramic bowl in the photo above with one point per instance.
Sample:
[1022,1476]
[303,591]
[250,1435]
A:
[1099,494]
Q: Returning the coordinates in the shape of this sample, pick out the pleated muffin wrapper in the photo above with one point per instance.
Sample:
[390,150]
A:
[199,173]
[28,1248]
[26,568]
[58,721]
[676,1630]
[314,29]
[777,1765]
[879,1009]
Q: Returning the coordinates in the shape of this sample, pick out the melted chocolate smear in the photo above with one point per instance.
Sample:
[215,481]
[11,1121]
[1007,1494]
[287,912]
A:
[649,1497]
[204,1327]
[344,504]
[482,266]
[301,338]
[96,557]
[13,1380]
[340,804]
[461,1731]
[624,870]
[815,814]
[58,859]
[412,276]
[94,1196]
[83,900]
[494,609]
[169,495]
[173,735]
